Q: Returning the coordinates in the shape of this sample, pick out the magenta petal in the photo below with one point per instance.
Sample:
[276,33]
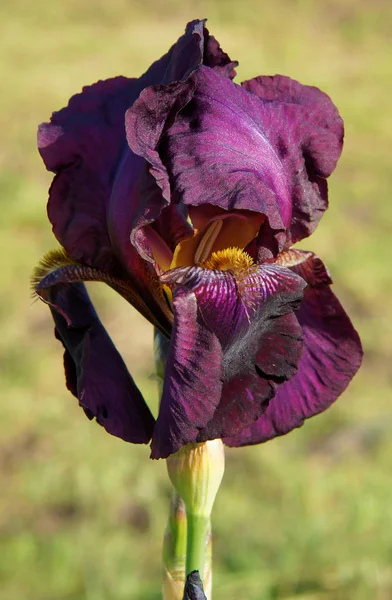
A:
[95,372]
[136,199]
[84,144]
[235,339]
[321,144]
[332,355]
[209,141]
[206,144]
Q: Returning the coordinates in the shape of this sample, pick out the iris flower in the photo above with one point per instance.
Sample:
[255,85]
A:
[184,192]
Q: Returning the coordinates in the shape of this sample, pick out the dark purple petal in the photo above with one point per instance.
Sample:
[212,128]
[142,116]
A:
[82,145]
[193,379]
[140,194]
[95,371]
[332,355]
[196,47]
[136,199]
[235,339]
[85,143]
[209,141]
[146,296]
[321,145]
[215,58]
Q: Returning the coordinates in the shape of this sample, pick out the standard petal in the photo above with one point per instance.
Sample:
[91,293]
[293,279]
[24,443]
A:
[137,199]
[95,372]
[85,143]
[332,355]
[209,141]
[321,144]
[235,339]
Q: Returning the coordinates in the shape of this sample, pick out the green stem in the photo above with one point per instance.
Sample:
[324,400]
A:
[174,550]
[199,528]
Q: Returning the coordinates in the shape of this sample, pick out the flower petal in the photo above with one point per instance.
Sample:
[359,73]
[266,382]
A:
[209,141]
[321,145]
[136,198]
[95,372]
[145,293]
[193,379]
[332,355]
[85,143]
[235,339]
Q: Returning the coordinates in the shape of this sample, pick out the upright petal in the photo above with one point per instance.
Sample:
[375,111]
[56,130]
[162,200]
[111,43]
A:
[209,141]
[235,339]
[85,143]
[137,199]
[321,144]
[332,355]
[95,372]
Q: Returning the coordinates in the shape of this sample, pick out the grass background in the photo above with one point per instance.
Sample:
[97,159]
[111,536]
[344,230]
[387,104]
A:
[307,516]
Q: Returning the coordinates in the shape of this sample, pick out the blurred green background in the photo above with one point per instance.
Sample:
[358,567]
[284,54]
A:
[82,514]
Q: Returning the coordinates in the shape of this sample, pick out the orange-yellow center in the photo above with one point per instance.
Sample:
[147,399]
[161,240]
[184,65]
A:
[217,243]
[232,259]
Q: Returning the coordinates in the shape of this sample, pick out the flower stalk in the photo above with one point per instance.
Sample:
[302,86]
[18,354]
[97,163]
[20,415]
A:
[196,472]
[174,550]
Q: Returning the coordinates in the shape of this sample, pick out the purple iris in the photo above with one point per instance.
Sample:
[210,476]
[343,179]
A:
[184,192]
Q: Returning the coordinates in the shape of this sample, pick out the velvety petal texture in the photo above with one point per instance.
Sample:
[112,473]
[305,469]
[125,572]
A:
[331,356]
[99,181]
[235,339]
[321,144]
[183,192]
[209,141]
[84,144]
[95,372]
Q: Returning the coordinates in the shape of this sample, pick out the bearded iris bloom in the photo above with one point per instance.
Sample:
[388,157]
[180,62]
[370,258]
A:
[185,192]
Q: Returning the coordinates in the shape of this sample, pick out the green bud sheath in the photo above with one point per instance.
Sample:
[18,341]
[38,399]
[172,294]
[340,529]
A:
[196,472]
[174,550]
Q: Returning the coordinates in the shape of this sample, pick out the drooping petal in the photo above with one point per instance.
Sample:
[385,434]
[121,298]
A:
[95,372]
[332,355]
[321,145]
[189,396]
[235,339]
[209,141]
[57,267]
